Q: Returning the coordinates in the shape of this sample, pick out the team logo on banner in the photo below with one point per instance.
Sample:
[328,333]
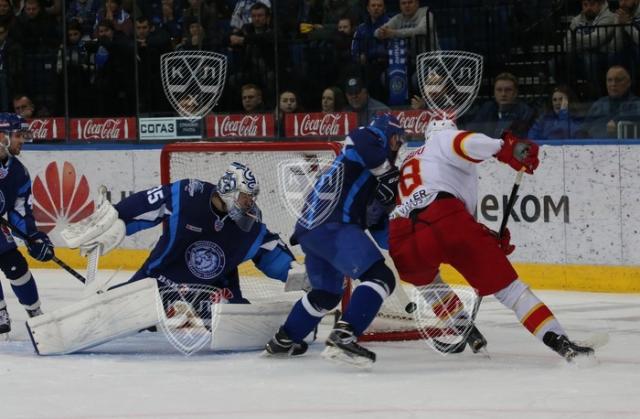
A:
[205,259]
[310,188]
[193,80]
[449,81]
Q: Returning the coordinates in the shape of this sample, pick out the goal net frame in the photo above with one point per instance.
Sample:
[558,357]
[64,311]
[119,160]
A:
[392,323]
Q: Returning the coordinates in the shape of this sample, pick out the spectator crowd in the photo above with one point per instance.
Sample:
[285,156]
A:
[83,58]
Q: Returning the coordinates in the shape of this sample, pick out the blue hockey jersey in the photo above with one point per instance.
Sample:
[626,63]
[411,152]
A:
[365,148]
[15,199]
[198,244]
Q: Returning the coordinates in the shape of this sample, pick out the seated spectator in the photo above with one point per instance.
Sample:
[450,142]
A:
[412,21]
[558,123]
[113,11]
[332,100]
[114,75]
[252,48]
[38,32]
[360,102]
[505,111]
[23,106]
[593,43]
[369,51]
[76,57]
[242,12]
[84,12]
[195,38]
[628,15]
[619,105]
[171,21]
[251,96]
[287,103]
[205,14]
[11,67]
[8,18]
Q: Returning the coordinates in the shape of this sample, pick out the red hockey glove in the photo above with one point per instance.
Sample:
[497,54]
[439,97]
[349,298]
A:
[518,153]
[504,241]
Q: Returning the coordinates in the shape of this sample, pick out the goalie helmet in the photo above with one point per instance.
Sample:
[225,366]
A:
[438,125]
[238,188]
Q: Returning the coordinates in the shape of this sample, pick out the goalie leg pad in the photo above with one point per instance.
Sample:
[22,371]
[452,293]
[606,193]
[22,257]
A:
[118,312]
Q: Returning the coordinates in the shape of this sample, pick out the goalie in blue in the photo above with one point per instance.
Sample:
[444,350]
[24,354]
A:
[338,246]
[15,203]
[208,231]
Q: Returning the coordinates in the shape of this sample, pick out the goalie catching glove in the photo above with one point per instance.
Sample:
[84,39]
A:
[518,153]
[103,229]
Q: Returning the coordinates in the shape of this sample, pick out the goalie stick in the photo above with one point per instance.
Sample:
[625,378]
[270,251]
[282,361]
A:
[26,238]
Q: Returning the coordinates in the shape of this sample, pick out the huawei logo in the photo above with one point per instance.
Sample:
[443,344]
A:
[60,199]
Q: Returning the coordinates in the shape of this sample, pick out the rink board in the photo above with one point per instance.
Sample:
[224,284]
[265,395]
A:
[575,222]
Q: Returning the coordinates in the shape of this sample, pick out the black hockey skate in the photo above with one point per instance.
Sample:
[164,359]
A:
[35,312]
[474,339]
[564,347]
[5,322]
[282,346]
[342,347]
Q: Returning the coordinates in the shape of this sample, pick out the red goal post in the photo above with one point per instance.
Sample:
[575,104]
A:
[207,161]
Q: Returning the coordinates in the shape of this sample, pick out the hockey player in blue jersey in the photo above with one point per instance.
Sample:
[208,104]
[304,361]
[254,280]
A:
[208,231]
[15,203]
[338,246]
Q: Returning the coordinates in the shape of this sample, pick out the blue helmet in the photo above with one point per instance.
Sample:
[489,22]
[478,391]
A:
[388,125]
[11,122]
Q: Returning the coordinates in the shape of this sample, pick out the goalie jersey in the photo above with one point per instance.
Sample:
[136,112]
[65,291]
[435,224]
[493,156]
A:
[198,244]
[15,200]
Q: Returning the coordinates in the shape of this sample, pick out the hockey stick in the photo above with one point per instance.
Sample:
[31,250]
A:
[27,239]
[503,225]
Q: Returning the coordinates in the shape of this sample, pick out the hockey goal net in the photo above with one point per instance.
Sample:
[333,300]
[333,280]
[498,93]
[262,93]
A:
[207,161]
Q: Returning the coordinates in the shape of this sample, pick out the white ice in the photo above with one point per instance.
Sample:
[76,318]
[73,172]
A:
[144,377]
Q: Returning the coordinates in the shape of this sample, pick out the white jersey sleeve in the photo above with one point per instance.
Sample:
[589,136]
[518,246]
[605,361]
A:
[446,163]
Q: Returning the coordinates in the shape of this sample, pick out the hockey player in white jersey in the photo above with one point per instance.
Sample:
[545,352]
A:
[434,224]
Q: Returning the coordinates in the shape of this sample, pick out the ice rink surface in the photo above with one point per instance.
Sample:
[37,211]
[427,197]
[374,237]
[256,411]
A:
[145,377]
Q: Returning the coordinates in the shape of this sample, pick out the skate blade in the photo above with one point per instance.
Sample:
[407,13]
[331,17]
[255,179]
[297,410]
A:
[339,356]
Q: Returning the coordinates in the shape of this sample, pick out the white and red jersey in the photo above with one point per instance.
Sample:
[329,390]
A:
[446,163]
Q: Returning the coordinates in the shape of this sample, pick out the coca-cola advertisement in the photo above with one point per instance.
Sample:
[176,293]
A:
[243,126]
[47,128]
[89,129]
[414,121]
[320,124]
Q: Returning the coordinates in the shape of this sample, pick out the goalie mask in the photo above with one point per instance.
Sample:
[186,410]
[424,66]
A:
[238,188]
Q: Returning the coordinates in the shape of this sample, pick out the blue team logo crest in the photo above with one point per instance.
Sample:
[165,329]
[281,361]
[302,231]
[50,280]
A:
[205,259]
[310,188]
[4,171]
